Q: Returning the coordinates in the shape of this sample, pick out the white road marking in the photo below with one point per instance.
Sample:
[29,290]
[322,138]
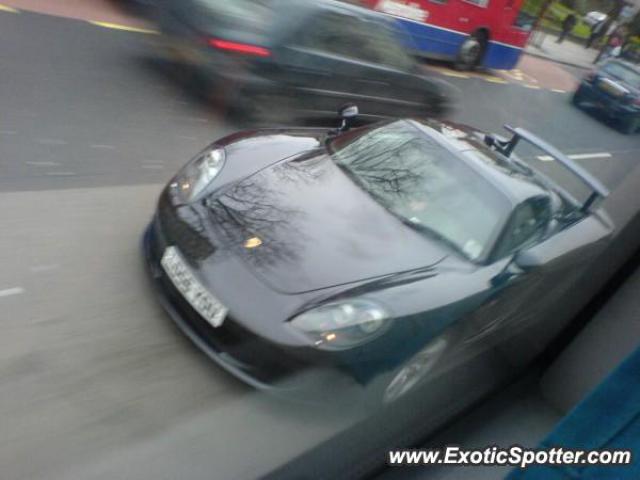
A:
[103,147]
[61,174]
[11,291]
[577,156]
[153,166]
[43,164]
[557,90]
[50,141]
[194,119]
[44,268]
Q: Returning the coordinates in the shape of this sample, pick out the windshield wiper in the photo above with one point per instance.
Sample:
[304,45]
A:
[419,227]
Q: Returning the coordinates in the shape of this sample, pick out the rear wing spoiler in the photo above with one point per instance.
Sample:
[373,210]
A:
[506,148]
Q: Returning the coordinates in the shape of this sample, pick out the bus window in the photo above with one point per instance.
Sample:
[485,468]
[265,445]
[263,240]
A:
[480,3]
[524,21]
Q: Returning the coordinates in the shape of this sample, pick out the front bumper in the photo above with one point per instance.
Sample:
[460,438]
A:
[251,359]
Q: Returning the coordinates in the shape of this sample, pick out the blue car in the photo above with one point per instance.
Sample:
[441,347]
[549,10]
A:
[614,90]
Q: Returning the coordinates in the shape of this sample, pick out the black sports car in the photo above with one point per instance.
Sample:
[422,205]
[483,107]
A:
[373,251]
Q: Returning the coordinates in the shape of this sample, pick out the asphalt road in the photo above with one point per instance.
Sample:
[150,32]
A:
[95,382]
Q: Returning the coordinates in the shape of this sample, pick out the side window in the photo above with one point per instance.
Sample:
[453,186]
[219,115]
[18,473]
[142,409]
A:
[351,37]
[379,43]
[526,227]
[328,32]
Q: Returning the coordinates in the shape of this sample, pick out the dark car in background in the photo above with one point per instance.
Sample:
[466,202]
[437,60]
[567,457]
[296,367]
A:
[285,58]
[375,252]
[613,90]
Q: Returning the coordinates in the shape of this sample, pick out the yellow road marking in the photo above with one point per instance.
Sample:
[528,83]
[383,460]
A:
[515,73]
[557,90]
[4,8]
[481,76]
[494,79]
[116,26]
[447,72]
[453,74]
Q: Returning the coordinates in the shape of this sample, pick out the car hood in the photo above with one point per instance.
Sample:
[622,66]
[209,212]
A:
[303,225]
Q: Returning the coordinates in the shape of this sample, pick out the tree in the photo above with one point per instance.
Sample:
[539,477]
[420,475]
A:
[634,25]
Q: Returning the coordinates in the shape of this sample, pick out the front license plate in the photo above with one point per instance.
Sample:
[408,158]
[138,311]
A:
[191,289]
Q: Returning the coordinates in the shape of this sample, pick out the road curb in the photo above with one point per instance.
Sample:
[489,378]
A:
[562,62]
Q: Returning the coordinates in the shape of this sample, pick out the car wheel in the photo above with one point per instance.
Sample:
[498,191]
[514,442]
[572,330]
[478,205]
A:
[471,52]
[577,97]
[395,384]
[631,125]
[434,107]
[414,371]
[263,109]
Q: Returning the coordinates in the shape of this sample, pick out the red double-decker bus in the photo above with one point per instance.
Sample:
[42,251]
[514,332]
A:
[489,33]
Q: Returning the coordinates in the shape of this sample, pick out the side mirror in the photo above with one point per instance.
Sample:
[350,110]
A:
[347,113]
[523,261]
[528,260]
[489,140]
[497,142]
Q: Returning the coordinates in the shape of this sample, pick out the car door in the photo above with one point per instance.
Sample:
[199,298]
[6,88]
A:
[315,61]
[565,256]
[390,83]
[333,58]
[511,296]
[527,300]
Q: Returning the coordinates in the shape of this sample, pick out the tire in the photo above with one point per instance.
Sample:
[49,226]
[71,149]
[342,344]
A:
[471,52]
[258,109]
[577,97]
[631,125]
[391,386]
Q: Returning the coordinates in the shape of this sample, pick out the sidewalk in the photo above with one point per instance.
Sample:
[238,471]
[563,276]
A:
[107,11]
[544,45]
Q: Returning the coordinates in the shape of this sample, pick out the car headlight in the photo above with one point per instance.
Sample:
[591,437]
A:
[196,175]
[342,325]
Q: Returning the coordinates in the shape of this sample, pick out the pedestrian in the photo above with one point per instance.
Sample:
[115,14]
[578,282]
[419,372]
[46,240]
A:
[613,48]
[617,40]
[596,32]
[567,25]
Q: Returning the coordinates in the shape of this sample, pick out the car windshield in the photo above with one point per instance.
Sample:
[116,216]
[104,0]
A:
[424,184]
[251,11]
[626,74]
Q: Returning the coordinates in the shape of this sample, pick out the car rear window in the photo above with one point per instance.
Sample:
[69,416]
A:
[248,11]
